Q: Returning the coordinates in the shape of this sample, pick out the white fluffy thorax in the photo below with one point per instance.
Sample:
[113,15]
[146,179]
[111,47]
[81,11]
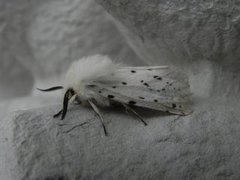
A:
[87,70]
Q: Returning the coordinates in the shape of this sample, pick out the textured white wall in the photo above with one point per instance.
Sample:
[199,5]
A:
[200,37]
[39,39]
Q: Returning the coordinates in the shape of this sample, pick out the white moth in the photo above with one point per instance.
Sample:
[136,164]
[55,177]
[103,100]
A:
[98,81]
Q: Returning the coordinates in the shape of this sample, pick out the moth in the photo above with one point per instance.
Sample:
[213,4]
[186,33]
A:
[98,81]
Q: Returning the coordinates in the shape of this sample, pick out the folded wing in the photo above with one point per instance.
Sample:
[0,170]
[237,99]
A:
[157,87]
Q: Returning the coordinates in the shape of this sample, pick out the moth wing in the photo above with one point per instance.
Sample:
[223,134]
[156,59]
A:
[155,87]
[145,67]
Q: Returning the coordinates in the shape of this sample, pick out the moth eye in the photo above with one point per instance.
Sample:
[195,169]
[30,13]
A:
[133,71]
[110,96]
[131,102]
[124,83]
[155,100]
[174,105]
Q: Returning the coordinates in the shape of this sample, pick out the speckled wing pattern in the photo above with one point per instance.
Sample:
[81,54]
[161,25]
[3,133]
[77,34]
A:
[154,87]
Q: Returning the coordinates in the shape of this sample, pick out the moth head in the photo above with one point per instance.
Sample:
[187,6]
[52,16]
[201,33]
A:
[69,97]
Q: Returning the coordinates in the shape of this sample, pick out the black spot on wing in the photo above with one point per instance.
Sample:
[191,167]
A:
[110,96]
[155,100]
[141,97]
[124,83]
[114,87]
[99,91]
[131,102]
[159,78]
[132,71]
[155,76]
[141,81]
[163,89]
[174,105]
[146,84]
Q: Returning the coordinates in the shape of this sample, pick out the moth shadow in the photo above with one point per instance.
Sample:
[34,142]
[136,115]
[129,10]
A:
[149,113]
[143,112]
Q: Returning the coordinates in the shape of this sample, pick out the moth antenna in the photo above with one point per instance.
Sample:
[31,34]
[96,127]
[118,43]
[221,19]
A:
[51,89]
[65,104]
[95,108]
[135,113]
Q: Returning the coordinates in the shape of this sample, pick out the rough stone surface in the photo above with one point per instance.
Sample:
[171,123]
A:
[204,145]
[200,37]
[28,102]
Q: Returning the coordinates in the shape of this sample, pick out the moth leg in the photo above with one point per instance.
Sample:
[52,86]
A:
[78,101]
[95,108]
[135,113]
[58,114]
[126,109]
